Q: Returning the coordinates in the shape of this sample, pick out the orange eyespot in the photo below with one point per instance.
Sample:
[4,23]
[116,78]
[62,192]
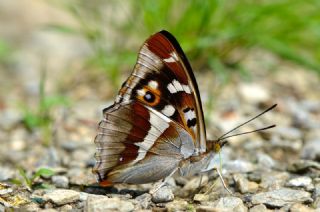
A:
[149,96]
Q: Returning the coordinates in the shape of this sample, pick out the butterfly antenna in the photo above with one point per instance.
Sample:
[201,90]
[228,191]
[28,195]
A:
[224,136]
[243,133]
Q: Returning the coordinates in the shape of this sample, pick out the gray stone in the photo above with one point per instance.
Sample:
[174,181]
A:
[30,207]
[303,166]
[229,204]
[311,150]
[277,141]
[194,183]
[265,161]
[18,140]
[274,180]
[9,118]
[62,196]
[6,191]
[281,197]
[253,187]
[178,205]
[78,176]
[6,173]
[255,176]
[302,181]
[238,166]
[163,194]
[242,183]
[258,208]
[144,200]
[70,146]
[298,207]
[83,196]
[99,203]
[316,203]
[289,133]
[60,181]
[253,93]
[200,198]
[316,192]
[66,208]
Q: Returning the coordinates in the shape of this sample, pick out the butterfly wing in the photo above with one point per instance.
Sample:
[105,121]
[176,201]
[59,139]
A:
[156,120]
[163,80]
[136,144]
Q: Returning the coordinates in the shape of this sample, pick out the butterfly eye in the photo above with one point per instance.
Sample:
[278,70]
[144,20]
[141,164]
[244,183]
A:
[149,97]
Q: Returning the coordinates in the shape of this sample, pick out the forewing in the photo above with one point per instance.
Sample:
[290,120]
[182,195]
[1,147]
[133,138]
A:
[163,80]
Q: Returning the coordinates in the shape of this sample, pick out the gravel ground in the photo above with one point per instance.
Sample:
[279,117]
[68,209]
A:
[277,169]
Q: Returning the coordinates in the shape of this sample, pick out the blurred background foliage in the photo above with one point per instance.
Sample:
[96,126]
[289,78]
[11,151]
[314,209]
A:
[216,35]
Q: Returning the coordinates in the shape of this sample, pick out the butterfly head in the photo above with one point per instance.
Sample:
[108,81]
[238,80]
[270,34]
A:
[215,145]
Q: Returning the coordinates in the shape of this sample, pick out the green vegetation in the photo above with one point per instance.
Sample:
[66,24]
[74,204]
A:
[29,181]
[209,31]
[5,51]
[41,117]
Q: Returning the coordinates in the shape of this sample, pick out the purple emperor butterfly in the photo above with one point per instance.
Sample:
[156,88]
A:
[156,124]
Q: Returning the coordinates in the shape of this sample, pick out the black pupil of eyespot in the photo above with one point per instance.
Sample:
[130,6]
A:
[149,97]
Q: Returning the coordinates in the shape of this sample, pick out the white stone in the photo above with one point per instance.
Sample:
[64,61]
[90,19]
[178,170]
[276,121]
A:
[62,196]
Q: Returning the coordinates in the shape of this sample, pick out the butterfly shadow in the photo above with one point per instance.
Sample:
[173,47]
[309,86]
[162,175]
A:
[112,190]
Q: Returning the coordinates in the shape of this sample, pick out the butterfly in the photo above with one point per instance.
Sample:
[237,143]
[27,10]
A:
[156,124]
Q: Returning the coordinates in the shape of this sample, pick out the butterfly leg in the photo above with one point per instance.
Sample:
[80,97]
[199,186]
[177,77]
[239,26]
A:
[200,181]
[222,180]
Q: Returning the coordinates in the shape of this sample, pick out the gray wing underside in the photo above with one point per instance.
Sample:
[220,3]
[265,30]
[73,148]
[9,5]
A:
[161,151]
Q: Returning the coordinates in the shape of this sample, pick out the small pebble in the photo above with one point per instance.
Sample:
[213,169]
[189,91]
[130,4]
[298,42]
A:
[6,173]
[311,150]
[66,208]
[6,191]
[274,180]
[303,166]
[253,187]
[281,197]
[70,146]
[254,93]
[230,204]
[32,206]
[238,166]
[103,203]
[144,200]
[265,161]
[255,176]
[163,194]
[200,198]
[241,183]
[298,207]
[316,203]
[62,196]
[60,181]
[294,145]
[10,118]
[178,205]
[289,133]
[303,181]
[194,183]
[258,208]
